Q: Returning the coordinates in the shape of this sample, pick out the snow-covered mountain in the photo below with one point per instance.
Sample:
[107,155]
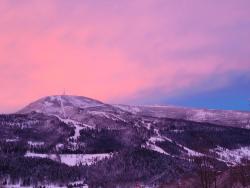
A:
[219,117]
[152,144]
[76,107]
[60,104]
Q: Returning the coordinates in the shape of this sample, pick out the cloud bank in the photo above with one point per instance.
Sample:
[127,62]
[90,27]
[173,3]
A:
[119,51]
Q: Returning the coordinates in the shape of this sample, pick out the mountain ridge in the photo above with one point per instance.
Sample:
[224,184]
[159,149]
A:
[70,104]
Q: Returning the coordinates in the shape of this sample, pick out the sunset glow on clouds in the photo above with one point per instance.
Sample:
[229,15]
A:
[130,51]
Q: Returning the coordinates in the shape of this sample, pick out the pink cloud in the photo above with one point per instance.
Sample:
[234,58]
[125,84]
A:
[114,50]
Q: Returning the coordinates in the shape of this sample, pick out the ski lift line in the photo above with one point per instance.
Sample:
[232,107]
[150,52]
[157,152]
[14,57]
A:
[62,107]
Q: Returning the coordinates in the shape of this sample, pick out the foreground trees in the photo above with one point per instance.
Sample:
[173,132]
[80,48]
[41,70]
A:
[233,177]
[206,172]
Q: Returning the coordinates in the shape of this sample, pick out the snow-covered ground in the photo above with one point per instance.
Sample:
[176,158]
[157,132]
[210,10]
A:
[12,140]
[78,184]
[156,139]
[85,159]
[154,147]
[107,115]
[72,159]
[127,108]
[47,186]
[60,104]
[150,144]
[234,156]
[68,100]
[201,115]
[78,125]
[189,151]
[27,124]
[35,144]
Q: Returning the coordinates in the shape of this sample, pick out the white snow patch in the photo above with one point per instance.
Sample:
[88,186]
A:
[38,155]
[234,156]
[78,126]
[72,159]
[127,108]
[82,102]
[98,113]
[85,159]
[12,140]
[156,139]
[116,117]
[77,131]
[150,144]
[148,126]
[154,147]
[201,115]
[191,152]
[75,101]
[107,115]
[163,138]
[32,143]
[59,146]
[48,104]
[78,184]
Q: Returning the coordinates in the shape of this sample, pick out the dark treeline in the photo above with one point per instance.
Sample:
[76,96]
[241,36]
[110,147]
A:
[32,171]
[125,166]
[106,141]
[18,148]
[206,136]
[137,165]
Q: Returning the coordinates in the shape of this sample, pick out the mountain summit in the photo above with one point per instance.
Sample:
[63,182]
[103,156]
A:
[59,104]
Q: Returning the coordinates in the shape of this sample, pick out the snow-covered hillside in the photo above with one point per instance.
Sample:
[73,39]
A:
[78,108]
[219,117]
[60,104]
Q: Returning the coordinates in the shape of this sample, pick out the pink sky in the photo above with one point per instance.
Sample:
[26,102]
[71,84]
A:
[119,51]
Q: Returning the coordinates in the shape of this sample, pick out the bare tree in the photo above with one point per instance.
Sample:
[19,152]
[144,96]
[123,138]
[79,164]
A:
[207,173]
